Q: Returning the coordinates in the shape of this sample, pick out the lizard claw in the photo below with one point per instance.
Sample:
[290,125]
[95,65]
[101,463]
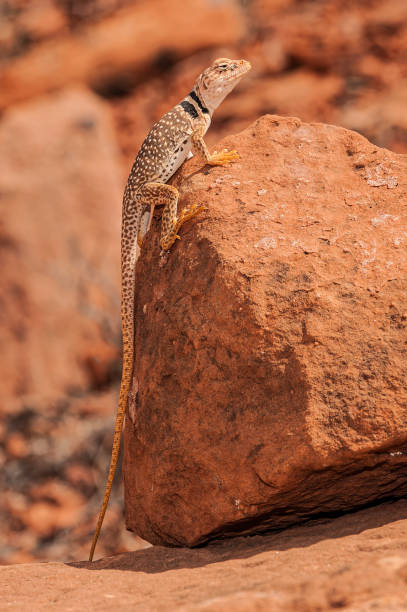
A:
[223,157]
[188,214]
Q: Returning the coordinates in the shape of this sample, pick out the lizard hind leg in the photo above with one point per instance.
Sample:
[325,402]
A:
[170,223]
[160,193]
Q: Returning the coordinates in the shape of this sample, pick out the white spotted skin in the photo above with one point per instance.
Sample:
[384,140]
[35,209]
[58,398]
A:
[165,149]
[180,154]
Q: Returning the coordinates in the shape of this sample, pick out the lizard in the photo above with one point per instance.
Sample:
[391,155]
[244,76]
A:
[168,144]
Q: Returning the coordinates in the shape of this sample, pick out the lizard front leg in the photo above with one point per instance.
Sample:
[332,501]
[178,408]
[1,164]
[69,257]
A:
[156,194]
[216,159]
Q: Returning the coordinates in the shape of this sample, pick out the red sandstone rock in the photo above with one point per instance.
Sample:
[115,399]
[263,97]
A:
[16,445]
[56,506]
[126,42]
[332,34]
[356,563]
[60,194]
[51,480]
[271,341]
[380,116]
[280,95]
[331,61]
[26,23]
[41,20]
[359,44]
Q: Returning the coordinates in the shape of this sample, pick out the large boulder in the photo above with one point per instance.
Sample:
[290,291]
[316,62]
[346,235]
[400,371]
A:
[270,380]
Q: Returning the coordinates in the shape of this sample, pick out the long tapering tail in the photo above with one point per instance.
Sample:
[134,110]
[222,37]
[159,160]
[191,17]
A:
[124,391]
[130,228]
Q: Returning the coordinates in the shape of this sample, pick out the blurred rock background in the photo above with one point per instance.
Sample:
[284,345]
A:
[81,83]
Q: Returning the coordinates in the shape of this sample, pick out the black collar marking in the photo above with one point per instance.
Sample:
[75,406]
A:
[190,109]
[198,101]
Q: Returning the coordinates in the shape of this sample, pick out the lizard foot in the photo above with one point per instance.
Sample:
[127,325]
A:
[184,216]
[223,157]
[188,214]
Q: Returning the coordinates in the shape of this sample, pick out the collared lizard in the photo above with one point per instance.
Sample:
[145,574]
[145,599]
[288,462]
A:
[165,148]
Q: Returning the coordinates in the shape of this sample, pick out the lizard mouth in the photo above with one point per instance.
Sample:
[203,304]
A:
[242,66]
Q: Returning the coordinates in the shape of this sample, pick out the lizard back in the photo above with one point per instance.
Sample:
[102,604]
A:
[165,148]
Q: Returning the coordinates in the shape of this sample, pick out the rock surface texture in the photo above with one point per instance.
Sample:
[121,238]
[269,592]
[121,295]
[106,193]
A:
[356,563]
[271,342]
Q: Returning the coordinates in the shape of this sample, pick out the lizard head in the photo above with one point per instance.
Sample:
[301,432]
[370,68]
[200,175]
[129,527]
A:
[214,84]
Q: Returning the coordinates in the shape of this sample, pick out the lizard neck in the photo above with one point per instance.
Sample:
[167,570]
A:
[197,100]
[193,105]
[195,97]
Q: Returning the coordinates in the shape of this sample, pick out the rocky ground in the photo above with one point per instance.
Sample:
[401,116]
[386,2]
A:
[80,85]
[356,563]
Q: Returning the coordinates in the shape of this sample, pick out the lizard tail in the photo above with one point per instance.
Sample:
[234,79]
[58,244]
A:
[124,392]
[129,257]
